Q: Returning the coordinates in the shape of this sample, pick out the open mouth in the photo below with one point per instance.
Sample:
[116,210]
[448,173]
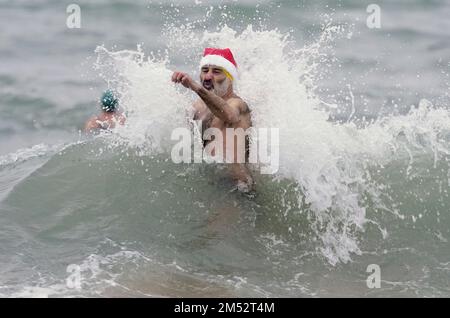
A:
[208,85]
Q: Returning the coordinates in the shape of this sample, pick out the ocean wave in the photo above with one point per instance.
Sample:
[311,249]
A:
[25,154]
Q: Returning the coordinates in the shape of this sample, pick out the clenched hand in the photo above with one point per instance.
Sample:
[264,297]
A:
[184,79]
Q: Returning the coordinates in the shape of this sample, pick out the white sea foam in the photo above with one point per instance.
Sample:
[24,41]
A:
[25,154]
[329,160]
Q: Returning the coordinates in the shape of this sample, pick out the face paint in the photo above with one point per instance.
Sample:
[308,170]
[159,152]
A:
[227,74]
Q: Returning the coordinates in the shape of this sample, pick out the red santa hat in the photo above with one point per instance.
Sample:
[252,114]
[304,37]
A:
[222,58]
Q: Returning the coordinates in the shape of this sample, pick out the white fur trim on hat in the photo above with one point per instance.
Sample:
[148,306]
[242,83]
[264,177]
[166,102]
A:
[219,60]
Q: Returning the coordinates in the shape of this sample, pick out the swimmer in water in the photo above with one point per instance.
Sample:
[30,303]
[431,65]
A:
[109,117]
[219,107]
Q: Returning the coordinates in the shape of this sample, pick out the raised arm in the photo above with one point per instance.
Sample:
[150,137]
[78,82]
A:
[229,111]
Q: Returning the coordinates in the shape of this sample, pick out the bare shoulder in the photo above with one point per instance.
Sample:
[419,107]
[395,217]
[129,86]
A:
[239,103]
[93,120]
[91,124]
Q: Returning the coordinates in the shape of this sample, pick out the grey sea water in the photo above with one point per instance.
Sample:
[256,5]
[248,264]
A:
[364,170]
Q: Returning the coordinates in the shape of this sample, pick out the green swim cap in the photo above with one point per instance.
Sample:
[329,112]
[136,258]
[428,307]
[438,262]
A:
[109,101]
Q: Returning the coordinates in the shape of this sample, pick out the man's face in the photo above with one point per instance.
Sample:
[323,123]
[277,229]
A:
[213,78]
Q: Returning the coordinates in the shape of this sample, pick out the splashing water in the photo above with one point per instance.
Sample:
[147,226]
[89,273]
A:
[334,165]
